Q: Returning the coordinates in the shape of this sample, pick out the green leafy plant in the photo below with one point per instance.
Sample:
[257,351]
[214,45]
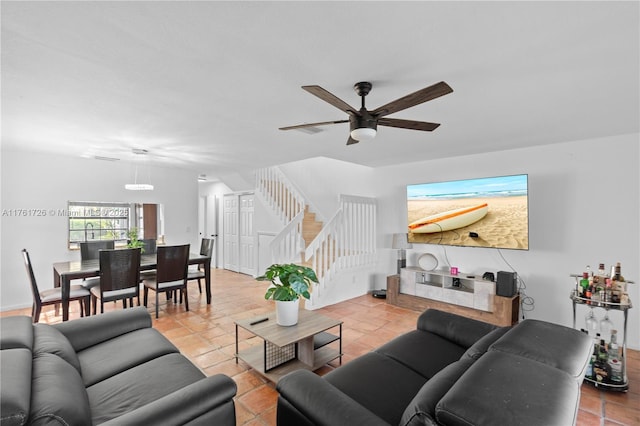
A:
[290,281]
[134,242]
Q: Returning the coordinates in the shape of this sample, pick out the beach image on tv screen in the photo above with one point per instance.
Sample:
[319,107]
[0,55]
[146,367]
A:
[484,212]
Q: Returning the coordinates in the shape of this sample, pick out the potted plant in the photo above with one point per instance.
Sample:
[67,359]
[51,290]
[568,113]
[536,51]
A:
[134,242]
[288,283]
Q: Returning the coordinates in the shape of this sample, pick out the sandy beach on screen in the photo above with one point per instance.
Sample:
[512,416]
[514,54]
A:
[505,224]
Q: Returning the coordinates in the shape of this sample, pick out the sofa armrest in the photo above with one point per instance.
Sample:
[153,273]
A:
[89,331]
[322,403]
[460,330]
[185,405]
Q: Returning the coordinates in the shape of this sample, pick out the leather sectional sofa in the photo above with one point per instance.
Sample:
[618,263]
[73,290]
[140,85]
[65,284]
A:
[451,370]
[111,369]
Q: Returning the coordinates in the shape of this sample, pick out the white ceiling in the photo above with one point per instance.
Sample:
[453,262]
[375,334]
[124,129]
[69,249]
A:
[205,85]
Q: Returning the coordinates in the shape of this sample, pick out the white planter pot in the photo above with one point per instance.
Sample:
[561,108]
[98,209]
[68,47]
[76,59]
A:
[287,312]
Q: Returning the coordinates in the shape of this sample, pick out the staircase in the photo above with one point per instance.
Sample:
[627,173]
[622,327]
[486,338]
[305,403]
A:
[310,226]
[346,242]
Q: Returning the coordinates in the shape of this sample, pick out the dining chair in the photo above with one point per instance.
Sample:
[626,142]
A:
[206,249]
[172,264]
[119,278]
[53,296]
[90,250]
[149,246]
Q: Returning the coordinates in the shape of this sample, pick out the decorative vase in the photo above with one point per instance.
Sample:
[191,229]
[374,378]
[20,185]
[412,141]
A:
[287,312]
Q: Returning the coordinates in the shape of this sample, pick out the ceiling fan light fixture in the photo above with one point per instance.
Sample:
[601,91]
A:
[363,134]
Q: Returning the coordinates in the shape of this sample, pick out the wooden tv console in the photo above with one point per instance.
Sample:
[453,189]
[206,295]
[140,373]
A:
[460,294]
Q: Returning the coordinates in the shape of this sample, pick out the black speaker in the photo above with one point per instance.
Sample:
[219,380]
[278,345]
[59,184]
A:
[507,284]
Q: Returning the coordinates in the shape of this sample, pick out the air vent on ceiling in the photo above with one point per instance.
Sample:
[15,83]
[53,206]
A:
[100,157]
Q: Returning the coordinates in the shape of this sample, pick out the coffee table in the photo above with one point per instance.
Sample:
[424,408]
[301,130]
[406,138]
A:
[285,349]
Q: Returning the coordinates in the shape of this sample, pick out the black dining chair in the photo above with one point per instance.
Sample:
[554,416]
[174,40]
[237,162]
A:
[90,250]
[119,278]
[171,275]
[149,246]
[53,296]
[206,249]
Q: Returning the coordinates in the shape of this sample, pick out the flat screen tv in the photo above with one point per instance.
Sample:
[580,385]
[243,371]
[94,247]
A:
[485,212]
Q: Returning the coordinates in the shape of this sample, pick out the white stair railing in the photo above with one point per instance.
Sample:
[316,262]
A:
[348,240]
[280,193]
[288,204]
[288,245]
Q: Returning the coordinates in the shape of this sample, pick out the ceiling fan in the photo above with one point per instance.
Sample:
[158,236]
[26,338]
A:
[364,123]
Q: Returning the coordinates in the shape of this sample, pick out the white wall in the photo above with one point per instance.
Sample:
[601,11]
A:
[322,180]
[584,209]
[47,182]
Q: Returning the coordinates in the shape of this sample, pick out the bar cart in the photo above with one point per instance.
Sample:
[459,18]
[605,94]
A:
[576,299]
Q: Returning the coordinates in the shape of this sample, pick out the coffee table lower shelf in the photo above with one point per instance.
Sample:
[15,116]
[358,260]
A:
[309,344]
[254,357]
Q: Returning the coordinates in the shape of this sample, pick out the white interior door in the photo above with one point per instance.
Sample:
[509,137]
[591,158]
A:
[231,237]
[247,238]
[202,217]
[211,227]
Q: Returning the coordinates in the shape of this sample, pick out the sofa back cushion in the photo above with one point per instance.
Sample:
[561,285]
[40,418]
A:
[421,411]
[16,342]
[47,339]
[16,332]
[460,330]
[15,395]
[58,396]
[482,345]
[423,352]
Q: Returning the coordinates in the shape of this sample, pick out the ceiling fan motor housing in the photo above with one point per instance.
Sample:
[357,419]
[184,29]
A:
[364,120]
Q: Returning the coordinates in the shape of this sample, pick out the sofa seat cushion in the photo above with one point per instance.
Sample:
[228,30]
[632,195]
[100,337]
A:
[424,352]
[116,355]
[552,344]
[140,385]
[58,396]
[47,339]
[378,383]
[422,409]
[503,389]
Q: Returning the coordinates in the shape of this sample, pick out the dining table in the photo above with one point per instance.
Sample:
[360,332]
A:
[65,272]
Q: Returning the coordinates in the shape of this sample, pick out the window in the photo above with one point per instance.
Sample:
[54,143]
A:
[92,221]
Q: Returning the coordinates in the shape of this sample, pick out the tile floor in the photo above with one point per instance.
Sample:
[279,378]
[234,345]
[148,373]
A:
[206,334]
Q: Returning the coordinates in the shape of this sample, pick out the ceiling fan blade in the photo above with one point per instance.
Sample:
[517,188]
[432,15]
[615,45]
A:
[408,124]
[351,141]
[322,123]
[330,98]
[413,99]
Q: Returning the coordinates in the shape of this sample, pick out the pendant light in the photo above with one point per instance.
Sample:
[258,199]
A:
[135,186]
